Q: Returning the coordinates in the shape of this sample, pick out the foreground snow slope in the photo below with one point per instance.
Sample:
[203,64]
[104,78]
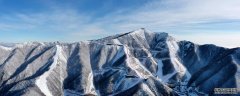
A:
[135,63]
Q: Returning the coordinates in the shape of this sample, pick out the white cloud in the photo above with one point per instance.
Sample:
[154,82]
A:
[217,38]
[162,14]
[73,25]
[186,15]
[159,15]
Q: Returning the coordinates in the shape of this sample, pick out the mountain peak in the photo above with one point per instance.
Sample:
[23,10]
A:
[137,62]
[139,30]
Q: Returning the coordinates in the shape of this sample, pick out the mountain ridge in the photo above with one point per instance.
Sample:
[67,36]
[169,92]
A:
[135,63]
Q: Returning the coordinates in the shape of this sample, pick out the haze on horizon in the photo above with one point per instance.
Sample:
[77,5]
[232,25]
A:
[200,21]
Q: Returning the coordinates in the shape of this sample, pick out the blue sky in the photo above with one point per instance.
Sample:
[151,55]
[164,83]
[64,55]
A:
[200,21]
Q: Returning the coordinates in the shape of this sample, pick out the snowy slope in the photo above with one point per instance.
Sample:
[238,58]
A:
[135,63]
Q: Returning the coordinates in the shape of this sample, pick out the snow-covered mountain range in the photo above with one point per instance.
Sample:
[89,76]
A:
[139,63]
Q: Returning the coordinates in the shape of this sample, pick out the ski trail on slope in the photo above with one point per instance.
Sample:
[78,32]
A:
[178,66]
[41,82]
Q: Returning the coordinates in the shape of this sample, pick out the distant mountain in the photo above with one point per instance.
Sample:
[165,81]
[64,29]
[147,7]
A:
[139,63]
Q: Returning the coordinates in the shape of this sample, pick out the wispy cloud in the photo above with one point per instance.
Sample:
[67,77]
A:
[173,13]
[64,24]
[174,16]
